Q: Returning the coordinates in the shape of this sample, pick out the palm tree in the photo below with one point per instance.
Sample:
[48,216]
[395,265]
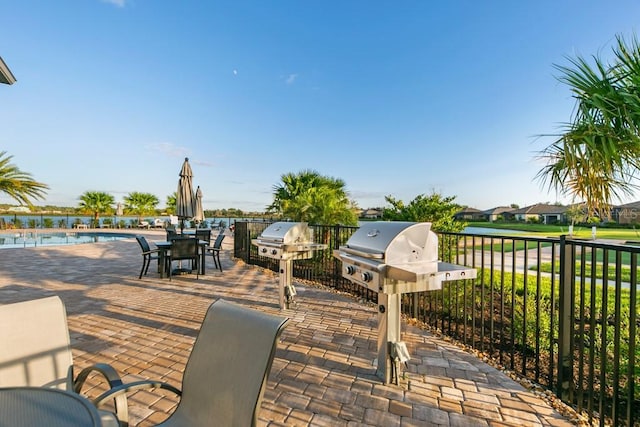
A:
[597,157]
[310,197]
[171,203]
[140,204]
[19,185]
[95,203]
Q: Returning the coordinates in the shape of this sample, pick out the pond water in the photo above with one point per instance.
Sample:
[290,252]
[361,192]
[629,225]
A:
[34,239]
[498,231]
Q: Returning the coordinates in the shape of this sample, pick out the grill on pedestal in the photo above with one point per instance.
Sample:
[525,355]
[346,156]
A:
[287,242]
[393,258]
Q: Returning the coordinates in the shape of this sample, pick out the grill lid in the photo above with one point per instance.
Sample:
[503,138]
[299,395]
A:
[286,233]
[394,242]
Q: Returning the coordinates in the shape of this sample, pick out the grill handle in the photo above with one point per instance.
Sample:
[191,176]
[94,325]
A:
[364,254]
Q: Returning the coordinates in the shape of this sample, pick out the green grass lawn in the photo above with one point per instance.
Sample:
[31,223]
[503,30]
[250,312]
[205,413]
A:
[582,232]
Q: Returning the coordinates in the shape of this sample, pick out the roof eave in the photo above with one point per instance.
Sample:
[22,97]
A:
[6,76]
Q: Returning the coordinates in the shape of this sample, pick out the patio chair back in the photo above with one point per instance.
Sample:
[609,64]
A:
[171,234]
[144,244]
[217,244]
[148,255]
[203,234]
[36,352]
[184,248]
[227,371]
[36,349]
[215,250]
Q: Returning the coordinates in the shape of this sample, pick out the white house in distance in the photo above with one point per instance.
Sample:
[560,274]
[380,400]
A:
[541,212]
[19,209]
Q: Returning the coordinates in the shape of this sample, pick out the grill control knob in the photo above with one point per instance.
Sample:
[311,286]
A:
[351,269]
[264,250]
[274,252]
[366,276]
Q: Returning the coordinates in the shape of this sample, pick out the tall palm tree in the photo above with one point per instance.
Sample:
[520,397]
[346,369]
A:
[597,157]
[19,185]
[310,197]
[96,203]
[140,204]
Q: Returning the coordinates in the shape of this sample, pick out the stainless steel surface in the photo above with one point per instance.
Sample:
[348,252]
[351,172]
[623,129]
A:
[286,233]
[393,258]
[287,242]
[396,257]
[398,242]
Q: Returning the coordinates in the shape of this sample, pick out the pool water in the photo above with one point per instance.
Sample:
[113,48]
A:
[34,239]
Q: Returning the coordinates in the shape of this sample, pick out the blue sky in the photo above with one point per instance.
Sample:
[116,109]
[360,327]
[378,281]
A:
[396,98]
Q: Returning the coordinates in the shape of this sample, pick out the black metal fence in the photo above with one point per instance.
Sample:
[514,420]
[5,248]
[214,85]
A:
[558,311]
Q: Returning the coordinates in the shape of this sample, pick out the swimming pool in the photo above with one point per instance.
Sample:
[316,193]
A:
[30,239]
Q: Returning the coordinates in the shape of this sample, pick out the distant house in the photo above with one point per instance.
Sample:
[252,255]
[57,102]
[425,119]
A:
[496,213]
[627,214]
[19,209]
[371,213]
[541,212]
[468,214]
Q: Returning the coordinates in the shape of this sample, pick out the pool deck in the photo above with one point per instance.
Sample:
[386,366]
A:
[322,374]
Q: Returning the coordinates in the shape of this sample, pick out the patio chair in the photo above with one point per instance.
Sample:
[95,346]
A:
[36,352]
[203,234]
[215,250]
[226,374]
[183,248]
[148,254]
[171,233]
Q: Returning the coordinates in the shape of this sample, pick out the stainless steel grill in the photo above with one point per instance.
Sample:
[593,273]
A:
[393,258]
[287,242]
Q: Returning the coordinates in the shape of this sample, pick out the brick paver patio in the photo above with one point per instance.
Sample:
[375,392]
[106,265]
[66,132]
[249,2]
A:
[322,374]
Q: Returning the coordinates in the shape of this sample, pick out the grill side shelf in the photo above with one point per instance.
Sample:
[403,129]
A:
[401,279]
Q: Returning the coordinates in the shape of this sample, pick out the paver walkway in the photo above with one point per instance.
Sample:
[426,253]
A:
[322,374]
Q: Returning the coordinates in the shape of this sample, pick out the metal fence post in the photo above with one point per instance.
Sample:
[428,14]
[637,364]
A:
[337,272]
[565,311]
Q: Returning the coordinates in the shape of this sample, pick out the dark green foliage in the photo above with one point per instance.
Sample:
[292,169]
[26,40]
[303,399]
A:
[310,197]
[435,208]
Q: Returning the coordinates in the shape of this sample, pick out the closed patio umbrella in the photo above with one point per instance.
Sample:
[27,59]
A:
[184,199]
[198,216]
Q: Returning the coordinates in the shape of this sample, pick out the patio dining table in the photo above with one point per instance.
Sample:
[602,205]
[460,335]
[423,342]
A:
[39,406]
[165,246]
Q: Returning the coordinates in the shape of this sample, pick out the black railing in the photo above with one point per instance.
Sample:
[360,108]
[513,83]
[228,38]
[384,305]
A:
[558,311]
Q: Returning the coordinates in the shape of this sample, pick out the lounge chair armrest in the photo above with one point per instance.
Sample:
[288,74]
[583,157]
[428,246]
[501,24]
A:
[114,381]
[107,371]
[133,386]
